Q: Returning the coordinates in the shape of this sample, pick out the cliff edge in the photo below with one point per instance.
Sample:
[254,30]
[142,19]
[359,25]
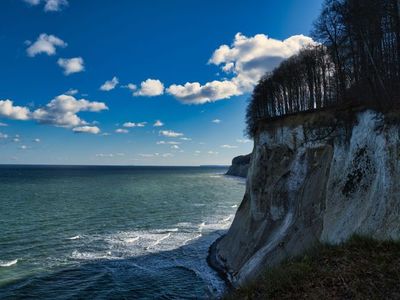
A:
[315,177]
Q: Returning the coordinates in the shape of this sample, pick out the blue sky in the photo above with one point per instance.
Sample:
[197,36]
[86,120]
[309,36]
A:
[85,82]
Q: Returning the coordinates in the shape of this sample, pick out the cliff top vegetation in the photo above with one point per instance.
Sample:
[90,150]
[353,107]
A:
[356,61]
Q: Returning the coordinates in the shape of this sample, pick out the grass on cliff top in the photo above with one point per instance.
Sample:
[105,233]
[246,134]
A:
[361,268]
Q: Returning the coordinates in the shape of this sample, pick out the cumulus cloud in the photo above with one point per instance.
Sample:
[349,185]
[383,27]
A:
[245,62]
[170,133]
[49,5]
[87,129]
[45,44]
[176,147]
[3,136]
[216,121]
[131,124]
[158,123]
[150,88]
[36,140]
[121,130]
[71,65]
[23,147]
[109,84]
[62,111]
[195,93]
[10,111]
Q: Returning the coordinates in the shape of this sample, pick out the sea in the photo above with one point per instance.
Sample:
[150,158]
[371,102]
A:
[110,232]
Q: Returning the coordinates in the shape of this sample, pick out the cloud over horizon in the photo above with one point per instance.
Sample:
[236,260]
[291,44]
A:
[61,112]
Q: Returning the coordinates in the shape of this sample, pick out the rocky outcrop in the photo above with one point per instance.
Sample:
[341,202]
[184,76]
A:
[314,177]
[240,166]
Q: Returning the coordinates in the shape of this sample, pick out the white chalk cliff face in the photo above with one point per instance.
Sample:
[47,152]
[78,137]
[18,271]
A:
[314,177]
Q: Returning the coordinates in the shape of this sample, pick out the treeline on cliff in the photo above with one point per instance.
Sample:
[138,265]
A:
[355,62]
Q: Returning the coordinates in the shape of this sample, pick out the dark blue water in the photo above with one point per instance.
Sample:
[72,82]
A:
[112,232]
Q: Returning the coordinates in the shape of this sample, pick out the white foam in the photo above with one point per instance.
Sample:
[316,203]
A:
[234,206]
[9,263]
[77,237]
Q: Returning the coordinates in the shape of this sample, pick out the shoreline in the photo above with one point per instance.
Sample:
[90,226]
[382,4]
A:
[213,263]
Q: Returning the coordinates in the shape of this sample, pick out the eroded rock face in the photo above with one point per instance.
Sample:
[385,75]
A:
[314,178]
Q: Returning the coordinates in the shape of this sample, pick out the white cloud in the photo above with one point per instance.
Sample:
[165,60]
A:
[16,139]
[71,92]
[228,147]
[3,136]
[195,93]
[150,88]
[49,5]
[55,5]
[8,110]
[62,111]
[87,129]
[36,140]
[176,147]
[245,61]
[243,141]
[158,123]
[170,133]
[121,130]
[45,44]
[165,155]
[131,124]
[23,147]
[130,86]
[185,139]
[3,124]
[216,121]
[109,84]
[71,65]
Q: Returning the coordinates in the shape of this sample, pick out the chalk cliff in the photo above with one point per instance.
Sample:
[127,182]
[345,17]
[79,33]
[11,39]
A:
[314,177]
[240,166]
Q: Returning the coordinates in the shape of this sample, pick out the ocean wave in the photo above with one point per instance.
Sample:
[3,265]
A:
[9,263]
[76,237]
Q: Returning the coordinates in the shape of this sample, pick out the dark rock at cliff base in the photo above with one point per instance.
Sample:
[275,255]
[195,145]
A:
[240,166]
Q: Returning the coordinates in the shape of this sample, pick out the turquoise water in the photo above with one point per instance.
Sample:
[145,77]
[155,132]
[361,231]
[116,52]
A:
[112,232]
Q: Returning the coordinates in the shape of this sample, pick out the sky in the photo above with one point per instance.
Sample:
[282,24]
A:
[129,82]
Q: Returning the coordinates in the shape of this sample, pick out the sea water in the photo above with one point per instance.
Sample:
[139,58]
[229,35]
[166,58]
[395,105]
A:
[112,232]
